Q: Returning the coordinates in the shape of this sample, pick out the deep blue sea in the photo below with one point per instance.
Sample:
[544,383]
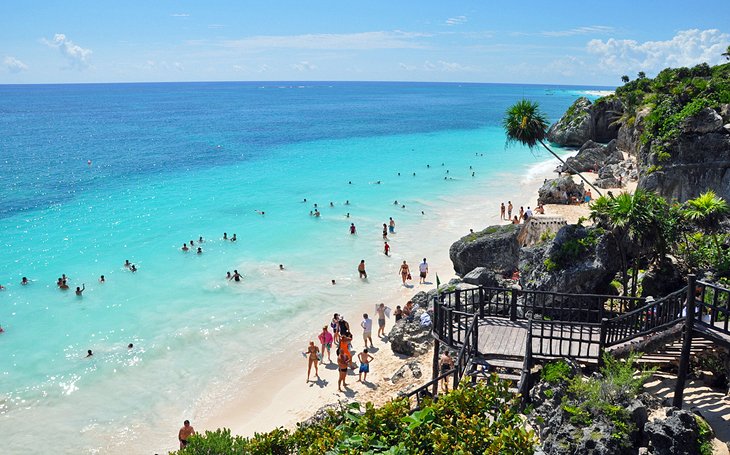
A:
[93,175]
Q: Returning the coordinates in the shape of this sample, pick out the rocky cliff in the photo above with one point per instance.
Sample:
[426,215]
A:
[585,121]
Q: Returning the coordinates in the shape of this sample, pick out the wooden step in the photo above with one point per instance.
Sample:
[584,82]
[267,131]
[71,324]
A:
[505,363]
[509,377]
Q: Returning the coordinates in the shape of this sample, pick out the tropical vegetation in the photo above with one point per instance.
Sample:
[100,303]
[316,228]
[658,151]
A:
[484,419]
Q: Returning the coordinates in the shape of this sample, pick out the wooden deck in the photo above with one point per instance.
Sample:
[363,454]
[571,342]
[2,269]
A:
[502,337]
[499,337]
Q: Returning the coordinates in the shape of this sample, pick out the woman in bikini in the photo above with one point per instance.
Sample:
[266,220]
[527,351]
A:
[312,352]
[342,361]
[404,272]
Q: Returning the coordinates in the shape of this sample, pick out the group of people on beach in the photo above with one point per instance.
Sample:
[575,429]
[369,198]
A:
[505,213]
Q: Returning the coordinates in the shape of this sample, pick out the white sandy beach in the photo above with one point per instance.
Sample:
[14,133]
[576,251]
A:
[276,393]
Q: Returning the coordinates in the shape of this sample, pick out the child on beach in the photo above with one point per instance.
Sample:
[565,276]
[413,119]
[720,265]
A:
[386,249]
[325,338]
[365,360]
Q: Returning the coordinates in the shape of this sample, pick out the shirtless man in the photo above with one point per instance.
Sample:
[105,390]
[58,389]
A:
[185,432]
[343,360]
[391,226]
[361,270]
[380,310]
[446,363]
[365,360]
[185,247]
[509,210]
[80,290]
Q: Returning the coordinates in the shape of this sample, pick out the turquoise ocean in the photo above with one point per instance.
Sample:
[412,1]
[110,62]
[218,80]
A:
[93,175]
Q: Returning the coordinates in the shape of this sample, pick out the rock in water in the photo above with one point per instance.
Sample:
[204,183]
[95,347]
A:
[494,248]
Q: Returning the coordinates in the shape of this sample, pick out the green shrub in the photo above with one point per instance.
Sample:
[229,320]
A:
[556,372]
[705,436]
[484,418]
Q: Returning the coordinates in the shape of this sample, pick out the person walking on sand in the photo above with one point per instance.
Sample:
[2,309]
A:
[326,338]
[501,211]
[312,359]
[380,310]
[184,434]
[361,269]
[391,226]
[365,360]
[367,330]
[509,210]
[386,249]
[342,362]
[335,324]
[446,363]
[423,271]
[404,272]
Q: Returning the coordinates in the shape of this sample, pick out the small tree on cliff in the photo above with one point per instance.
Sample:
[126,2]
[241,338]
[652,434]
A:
[707,211]
[727,53]
[525,124]
[625,79]
[641,218]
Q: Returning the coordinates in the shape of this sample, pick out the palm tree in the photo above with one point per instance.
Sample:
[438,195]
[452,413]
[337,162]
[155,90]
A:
[727,53]
[707,211]
[640,217]
[624,78]
[525,124]
[641,75]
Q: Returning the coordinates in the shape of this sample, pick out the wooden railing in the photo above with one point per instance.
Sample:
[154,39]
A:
[428,390]
[652,317]
[713,306]
[468,349]
[530,304]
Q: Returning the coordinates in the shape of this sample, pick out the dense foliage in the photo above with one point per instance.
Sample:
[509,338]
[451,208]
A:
[481,419]
[672,96]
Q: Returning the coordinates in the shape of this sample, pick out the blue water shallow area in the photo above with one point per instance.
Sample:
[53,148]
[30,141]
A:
[92,175]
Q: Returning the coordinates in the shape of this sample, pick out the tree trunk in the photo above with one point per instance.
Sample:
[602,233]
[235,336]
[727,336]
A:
[634,278]
[571,168]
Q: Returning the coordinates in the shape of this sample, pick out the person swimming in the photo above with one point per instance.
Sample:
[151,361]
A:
[24,281]
[185,247]
[236,276]
[102,279]
[133,268]
[225,236]
[200,250]
[80,290]
[200,239]
[233,239]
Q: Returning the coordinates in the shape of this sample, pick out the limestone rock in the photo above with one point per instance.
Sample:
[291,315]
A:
[481,276]
[494,248]
[705,121]
[608,182]
[590,272]
[574,127]
[410,370]
[560,190]
[410,338]
[590,157]
[675,435]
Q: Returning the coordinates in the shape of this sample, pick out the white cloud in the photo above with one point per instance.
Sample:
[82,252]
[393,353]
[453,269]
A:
[591,29]
[14,65]
[686,48]
[304,66]
[439,65]
[264,68]
[216,26]
[365,40]
[458,20]
[180,15]
[77,56]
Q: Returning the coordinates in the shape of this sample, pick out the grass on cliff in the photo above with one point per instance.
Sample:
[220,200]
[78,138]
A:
[481,419]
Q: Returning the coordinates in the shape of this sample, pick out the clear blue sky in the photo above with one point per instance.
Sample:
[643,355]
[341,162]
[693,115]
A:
[568,42]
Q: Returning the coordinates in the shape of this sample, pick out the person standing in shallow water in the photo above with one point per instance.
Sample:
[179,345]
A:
[501,211]
[361,270]
[391,226]
[386,249]
[184,434]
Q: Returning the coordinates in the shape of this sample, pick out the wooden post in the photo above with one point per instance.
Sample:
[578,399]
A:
[481,302]
[513,306]
[686,342]
[602,341]
[435,372]
[450,322]
[457,301]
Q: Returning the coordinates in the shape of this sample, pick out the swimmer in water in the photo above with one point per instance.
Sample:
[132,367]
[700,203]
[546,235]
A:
[200,239]
[185,247]
[130,346]
[126,263]
[24,281]
[80,290]
[102,279]
[281,266]
[236,276]
[395,202]
[225,236]
[332,204]
[200,250]
[89,353]
[348,215]
[233,239]
[228,275]
[133,268]
[347,202]
[192,243]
